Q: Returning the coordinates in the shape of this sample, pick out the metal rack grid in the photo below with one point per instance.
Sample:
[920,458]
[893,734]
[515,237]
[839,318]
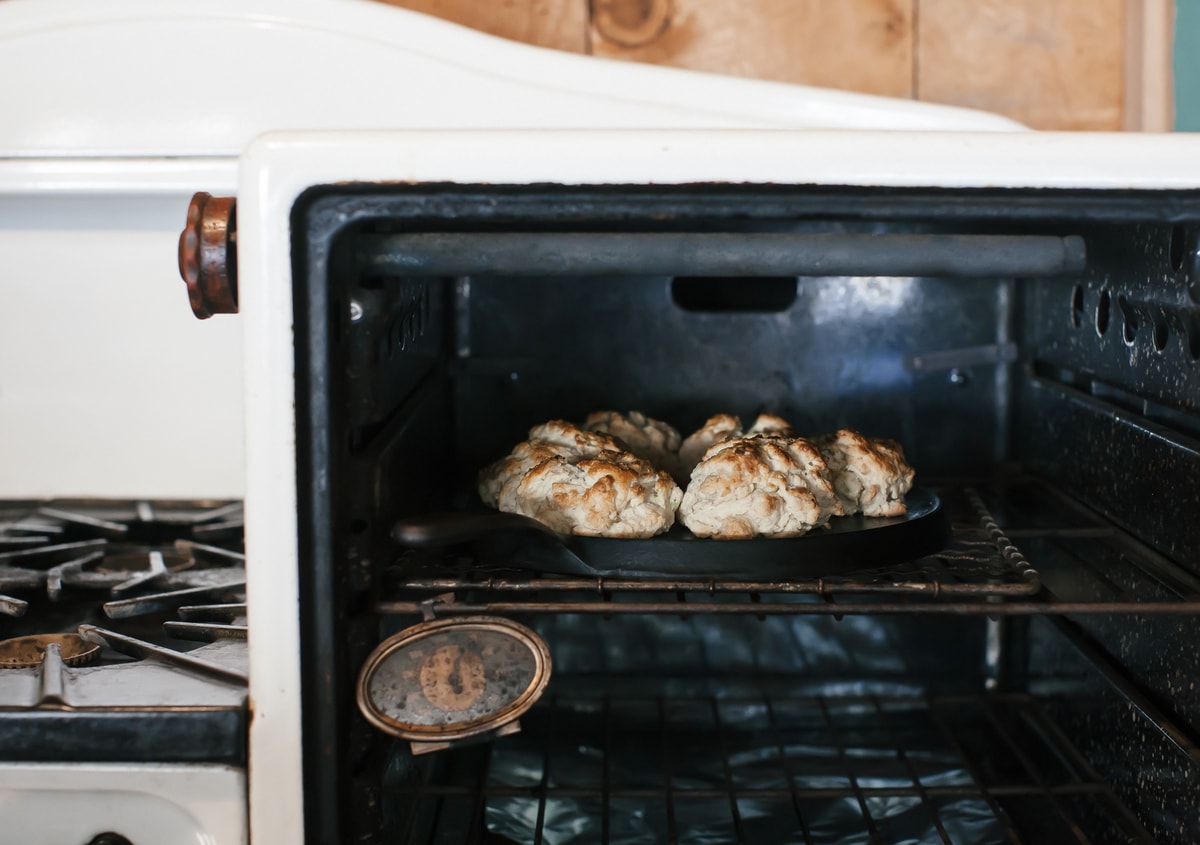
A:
[983,571]
[958,770]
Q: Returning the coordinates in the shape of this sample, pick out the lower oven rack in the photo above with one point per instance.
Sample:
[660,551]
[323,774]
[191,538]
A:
[774,766]
[1019,547]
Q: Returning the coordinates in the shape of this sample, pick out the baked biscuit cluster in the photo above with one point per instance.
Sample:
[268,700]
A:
[620,475]
[582,482]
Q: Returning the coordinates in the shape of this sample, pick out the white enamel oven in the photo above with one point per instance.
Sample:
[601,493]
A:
[1013,302]
[123,417]
[128,419]
[116,803]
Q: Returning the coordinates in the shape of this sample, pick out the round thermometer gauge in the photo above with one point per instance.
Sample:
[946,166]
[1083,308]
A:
[453,678]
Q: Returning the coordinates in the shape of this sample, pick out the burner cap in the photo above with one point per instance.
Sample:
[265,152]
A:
[23,652]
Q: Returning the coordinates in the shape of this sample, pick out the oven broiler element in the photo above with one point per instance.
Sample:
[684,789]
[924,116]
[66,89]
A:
[692,254]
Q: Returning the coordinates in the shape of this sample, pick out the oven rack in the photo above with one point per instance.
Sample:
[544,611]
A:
[1018,547]
[954,769]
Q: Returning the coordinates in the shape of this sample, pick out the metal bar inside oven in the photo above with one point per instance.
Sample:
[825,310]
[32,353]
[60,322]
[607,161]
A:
[719,254]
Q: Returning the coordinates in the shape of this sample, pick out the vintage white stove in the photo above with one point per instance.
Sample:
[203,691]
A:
[113,397]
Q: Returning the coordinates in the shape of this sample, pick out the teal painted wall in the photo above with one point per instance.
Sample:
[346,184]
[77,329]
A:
[1187,65]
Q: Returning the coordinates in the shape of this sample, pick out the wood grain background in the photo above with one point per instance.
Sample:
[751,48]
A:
[1053,64]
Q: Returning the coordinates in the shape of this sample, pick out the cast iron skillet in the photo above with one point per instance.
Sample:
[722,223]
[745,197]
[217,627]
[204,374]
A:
[849,544]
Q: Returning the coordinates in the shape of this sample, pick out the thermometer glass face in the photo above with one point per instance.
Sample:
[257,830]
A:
[452,677]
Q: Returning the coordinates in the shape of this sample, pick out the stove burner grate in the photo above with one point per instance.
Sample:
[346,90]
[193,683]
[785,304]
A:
[122,632]
[131,551]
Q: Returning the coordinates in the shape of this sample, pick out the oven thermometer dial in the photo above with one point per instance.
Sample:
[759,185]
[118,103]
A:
[453,678]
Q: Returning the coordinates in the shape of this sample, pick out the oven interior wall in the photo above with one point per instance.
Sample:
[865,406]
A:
[1107,403]
[1109,399]
[431,377]
[837,352]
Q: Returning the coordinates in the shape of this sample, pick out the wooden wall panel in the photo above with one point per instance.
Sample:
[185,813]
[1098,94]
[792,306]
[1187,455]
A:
[1053,64]
[561,24]
[1149,74]
[860,45]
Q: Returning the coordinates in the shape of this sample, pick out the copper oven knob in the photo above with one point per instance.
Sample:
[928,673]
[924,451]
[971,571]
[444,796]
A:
[208,255]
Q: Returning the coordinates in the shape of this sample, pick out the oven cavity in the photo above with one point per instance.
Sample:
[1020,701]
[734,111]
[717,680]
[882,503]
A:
[1033,352]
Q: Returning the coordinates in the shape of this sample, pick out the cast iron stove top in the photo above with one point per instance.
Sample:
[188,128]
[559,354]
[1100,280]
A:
[122,632]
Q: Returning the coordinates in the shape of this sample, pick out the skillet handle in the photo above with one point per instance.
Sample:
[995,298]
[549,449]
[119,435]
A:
[434,530]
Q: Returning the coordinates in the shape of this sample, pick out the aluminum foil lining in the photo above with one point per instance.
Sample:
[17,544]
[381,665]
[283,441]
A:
[708,755]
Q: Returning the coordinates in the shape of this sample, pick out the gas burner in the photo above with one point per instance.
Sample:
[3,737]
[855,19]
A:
[77,564]
[25,652]
[103,671]
[211,573]
[117,573]
[126,627]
